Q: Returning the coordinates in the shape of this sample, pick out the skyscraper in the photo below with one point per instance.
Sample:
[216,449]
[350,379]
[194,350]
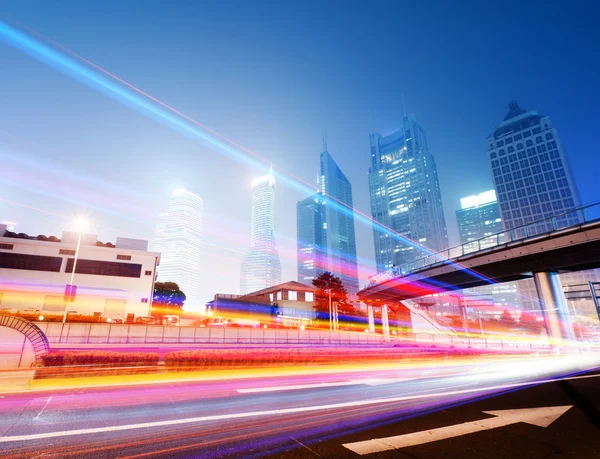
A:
[178,238]
[405,196]
[312,258]
[531,175]
[326,238]
[261,267]
[477,218]
[533,182]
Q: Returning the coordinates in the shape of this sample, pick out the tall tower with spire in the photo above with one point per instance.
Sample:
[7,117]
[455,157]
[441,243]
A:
[261,267]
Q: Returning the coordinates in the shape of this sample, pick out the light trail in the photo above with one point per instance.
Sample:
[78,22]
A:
[275,412]
[164,114]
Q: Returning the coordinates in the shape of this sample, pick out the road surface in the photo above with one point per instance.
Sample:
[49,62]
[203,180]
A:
[349,414]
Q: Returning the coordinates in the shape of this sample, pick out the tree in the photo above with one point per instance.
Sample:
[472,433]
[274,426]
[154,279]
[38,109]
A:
[329,287]
[167,297]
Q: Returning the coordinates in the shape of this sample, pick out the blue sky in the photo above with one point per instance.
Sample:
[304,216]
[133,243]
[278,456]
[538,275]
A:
[274,77]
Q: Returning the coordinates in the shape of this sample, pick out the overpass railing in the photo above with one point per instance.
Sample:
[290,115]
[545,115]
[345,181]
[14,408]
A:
[545,226]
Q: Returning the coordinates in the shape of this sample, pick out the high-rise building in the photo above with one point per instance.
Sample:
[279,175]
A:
[338,222]
[405,197]
[478,223]
[477,218]
[533,183]
[261,267]
[531,175]
[178,238]
[326,238]
[312,257]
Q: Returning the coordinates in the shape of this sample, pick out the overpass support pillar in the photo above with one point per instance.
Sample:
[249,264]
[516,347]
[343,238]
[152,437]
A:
[371,318]
[554,306]
[385,323]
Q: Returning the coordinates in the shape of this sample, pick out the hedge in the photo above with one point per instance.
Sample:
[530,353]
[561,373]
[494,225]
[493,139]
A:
[299,356]
[95,363]
[66,358]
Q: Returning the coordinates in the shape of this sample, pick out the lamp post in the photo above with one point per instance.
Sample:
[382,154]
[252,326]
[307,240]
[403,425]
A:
[81,225]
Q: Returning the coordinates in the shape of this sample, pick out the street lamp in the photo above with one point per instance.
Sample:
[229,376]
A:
[81,224]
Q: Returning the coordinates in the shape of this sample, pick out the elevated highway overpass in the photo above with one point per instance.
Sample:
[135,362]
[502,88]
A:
[519,253]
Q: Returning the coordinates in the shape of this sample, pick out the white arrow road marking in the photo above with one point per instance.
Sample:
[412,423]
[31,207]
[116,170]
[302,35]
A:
[541,417]
[357,382]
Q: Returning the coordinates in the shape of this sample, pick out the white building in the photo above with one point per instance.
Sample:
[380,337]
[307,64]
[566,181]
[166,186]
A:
[532,178]
[262,268]
[113,280]
[178,238]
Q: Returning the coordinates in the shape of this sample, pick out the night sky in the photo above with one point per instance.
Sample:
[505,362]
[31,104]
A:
[273,77]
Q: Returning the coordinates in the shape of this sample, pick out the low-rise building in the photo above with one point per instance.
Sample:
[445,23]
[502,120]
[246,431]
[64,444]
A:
[113,280]
[290,304]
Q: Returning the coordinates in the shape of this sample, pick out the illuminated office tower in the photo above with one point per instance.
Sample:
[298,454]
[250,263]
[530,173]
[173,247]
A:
[178,238]
[405,197]
[261,267]
[477,218]
[478,223]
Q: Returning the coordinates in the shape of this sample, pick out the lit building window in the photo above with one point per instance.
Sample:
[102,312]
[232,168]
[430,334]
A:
[292,295]
[279,295]
[309,296]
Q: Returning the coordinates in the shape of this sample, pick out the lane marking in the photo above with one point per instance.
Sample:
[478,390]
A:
[42,410]
[303,409]
[358,382]
[541,417]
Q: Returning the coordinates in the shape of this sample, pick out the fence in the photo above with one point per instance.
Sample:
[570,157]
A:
[100,333]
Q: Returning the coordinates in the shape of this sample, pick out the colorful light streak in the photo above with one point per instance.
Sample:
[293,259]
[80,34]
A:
[182,424]
[158,110]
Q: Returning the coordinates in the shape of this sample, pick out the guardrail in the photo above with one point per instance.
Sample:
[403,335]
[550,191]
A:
[105,333]
[571,219]
[89,334]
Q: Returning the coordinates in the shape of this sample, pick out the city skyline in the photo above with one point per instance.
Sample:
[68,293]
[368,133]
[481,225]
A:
[88,153]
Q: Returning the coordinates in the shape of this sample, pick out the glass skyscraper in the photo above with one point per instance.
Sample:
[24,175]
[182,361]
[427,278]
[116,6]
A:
[312,259]
[531,175]
[405,196]
[261,267]
[325,221]
[477,218]
[178,238]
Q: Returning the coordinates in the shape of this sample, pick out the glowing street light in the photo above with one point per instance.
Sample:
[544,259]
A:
[81,224]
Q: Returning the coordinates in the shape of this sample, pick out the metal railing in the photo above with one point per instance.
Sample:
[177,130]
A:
[541,227]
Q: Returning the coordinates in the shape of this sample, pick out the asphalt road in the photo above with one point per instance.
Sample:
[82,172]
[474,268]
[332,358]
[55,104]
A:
[450,411]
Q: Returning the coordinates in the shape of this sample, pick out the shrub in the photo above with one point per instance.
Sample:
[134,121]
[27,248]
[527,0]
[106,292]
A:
[99,358]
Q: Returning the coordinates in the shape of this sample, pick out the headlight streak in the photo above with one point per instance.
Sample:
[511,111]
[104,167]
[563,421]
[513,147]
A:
[309,424]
